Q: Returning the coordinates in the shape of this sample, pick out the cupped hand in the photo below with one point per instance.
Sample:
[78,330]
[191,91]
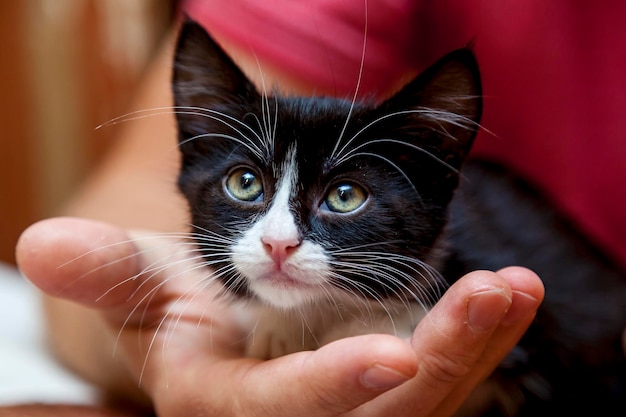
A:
[185,349]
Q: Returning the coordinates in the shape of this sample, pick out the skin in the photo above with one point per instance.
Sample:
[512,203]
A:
[192,363]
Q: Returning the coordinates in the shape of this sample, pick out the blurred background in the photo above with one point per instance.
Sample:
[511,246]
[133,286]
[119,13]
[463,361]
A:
[66,67]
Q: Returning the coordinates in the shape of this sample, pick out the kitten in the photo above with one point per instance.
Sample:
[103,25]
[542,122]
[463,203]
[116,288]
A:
[328,218]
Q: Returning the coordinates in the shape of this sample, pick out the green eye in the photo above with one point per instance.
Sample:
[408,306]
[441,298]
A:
[345,198]
[244,185]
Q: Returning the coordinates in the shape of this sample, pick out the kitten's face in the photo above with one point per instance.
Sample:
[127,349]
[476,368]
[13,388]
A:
[301,199]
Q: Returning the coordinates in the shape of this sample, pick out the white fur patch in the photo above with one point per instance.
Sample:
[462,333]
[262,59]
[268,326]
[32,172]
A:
[306,270]
[275,333]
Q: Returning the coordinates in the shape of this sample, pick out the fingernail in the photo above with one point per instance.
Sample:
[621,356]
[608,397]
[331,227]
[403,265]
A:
[486,309]
[521,306]
[382,378]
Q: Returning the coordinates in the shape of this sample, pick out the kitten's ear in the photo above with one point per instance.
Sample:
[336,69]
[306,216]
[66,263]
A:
[204,75]
[445,104]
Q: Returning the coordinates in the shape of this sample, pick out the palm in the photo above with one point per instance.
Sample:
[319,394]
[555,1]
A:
[185,349]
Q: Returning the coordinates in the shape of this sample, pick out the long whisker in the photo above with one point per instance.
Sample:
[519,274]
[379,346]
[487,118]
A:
[395,166]
[358,84]
[353,151]
[231,122]
[166,110]
[438,115]
[266,126]
[252,148]
[365,293]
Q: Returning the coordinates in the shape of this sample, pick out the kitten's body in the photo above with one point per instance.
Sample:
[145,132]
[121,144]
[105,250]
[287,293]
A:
[570,362]
[327,218]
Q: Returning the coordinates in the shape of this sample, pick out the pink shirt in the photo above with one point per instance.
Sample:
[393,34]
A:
[554,75]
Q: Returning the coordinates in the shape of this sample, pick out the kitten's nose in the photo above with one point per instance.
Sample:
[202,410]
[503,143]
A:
[279,248]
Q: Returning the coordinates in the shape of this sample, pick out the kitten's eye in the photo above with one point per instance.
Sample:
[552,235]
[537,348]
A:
[244,185]
[345,198]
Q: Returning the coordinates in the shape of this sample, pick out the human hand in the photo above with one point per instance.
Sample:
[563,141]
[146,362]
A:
[186,351]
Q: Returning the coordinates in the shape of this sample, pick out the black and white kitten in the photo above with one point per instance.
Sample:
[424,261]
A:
[326,218]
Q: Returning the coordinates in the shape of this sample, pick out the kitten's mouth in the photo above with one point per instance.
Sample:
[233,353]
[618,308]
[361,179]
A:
[281,279]
[282,291]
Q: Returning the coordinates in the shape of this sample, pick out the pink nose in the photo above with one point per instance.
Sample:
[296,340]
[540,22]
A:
[280,249]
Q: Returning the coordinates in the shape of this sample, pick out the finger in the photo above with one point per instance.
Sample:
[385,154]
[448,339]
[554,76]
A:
[80,260]
[451,342]
[528,292]
[328,382]
[343,375]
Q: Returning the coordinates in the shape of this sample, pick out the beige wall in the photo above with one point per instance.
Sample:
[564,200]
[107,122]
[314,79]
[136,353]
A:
[66,66]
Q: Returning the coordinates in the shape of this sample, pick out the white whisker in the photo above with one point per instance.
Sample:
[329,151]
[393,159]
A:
[353,152]
[358,84]
[433,114]
[251,147]
[395,166]
[168,110]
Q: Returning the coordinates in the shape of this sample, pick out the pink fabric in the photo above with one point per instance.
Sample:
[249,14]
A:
[554,75]
[319,41]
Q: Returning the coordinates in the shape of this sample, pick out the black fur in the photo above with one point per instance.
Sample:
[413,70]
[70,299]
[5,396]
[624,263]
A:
[313,126]
[570,360]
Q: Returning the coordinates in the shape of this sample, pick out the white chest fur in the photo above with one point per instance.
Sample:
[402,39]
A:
[276,332]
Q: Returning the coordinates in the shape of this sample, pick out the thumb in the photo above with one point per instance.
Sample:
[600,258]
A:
[79,260]
[330,381]
[336,378]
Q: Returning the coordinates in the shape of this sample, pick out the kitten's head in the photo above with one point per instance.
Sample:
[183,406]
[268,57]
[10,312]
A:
[295,199]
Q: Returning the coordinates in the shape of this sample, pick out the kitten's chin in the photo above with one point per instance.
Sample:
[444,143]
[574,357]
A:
[281,291]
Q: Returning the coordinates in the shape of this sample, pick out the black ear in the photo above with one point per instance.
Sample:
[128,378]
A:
[204,76]
[444,105]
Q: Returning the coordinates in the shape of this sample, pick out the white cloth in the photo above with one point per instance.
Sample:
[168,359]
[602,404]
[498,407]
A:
[28,372]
